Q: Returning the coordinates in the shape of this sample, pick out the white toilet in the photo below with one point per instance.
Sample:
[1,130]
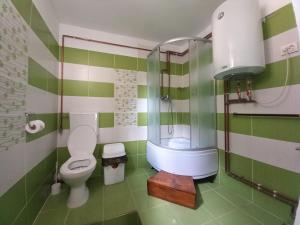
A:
[79,167]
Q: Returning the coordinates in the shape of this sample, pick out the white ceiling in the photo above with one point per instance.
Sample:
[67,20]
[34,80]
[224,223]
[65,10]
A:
[155,20]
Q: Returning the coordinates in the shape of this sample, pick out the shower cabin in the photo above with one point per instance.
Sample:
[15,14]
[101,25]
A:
[190,148]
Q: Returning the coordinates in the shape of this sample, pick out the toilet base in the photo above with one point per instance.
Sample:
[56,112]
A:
[78,196]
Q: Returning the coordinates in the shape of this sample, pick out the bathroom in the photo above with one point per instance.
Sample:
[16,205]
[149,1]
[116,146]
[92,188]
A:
[79,76]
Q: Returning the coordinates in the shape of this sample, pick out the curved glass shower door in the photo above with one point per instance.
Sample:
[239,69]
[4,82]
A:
[153,101]
[202,96]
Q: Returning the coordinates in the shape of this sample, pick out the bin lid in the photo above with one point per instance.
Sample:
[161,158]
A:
[113,150]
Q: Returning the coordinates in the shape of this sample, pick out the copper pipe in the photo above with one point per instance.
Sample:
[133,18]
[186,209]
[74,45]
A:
[272,193]
[168,58]
[62,59]
[226,125]
[265,190]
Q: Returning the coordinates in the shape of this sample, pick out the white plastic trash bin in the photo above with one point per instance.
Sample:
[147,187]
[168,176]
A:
[113,161]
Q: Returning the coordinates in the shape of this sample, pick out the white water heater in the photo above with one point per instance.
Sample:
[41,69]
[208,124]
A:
[238,49]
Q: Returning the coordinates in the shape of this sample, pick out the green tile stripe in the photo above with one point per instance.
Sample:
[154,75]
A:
[101,59]
[142,119]
[175,93]
[285,181]
[165,118]
[279,21]
[88,88]
[50,120]
[106,120]
[31,15]
[41,78]
[22,202]
[284,129]
[273,76]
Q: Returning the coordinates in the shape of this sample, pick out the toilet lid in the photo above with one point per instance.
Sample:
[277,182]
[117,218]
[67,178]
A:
[82,140]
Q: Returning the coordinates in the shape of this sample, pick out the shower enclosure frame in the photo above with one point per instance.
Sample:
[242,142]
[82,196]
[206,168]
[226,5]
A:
[198,162]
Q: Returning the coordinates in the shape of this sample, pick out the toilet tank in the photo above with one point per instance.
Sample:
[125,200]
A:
[238,49]
[78,119]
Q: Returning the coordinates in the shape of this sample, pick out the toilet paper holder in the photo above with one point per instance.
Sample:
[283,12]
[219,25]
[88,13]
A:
[28,117]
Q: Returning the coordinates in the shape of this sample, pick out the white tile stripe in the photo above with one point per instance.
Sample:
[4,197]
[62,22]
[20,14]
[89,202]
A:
[278,153]
[40,101]
[289,104]
[103,74]
[124,134]
[103,104]
[41,54]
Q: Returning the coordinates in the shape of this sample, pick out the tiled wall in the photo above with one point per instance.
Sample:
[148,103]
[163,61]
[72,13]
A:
[264,149]
[92,74]
[28,83]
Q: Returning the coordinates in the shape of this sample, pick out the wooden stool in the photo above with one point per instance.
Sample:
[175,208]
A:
[173,188]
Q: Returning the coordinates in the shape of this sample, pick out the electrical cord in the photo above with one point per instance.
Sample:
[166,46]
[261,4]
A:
[283,90]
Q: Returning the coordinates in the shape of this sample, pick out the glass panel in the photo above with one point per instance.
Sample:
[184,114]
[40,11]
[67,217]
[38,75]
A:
[202,97]
[153,83]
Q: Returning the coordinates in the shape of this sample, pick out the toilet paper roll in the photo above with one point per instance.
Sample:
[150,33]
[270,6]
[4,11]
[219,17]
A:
[34,126]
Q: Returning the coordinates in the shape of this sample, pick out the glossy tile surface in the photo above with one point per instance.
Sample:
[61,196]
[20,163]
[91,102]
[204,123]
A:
[218,204]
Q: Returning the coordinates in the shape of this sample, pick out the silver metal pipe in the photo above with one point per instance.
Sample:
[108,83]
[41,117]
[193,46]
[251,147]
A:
[170,41]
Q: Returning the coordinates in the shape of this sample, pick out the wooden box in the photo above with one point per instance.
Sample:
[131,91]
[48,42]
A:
[174,188]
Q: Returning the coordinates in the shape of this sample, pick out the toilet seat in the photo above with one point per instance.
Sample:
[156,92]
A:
[78,165]
[82,140]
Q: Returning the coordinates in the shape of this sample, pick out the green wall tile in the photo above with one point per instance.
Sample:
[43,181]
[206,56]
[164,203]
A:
[52,84]
[24,8]
[62,155]
[125,62]
[97,89]
[12,202]
[66,121]
[36,176]
[101,59]
[76,88]
[142,91]
[142,162]
[274,74]
[50,120]
[37,75]
[41,29]
[285,181]
[142,119]
[142,147]
[286,129]
[131,147]
[185,68]
[76,55]
[142,64]
[241,165]
[279,21]
[106,120]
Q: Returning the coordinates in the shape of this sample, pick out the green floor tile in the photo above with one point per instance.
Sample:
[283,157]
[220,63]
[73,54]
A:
[51,217]
[57,202]
[144,202]
[237,218]
[215,204]
[91,212]
[190,216]
[137,182]
[261,215]
[231,196]
[159,216]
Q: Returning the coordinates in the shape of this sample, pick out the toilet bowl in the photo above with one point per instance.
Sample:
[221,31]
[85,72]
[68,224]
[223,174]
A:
[79,167]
